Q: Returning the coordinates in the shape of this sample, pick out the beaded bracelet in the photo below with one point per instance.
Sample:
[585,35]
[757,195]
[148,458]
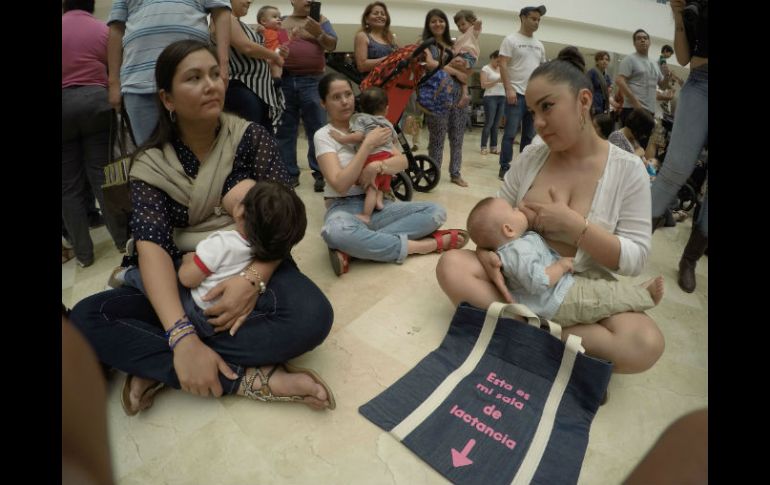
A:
[175,338]
[262,286]
[180,330]
[179,339]
[583,233]
[179,323]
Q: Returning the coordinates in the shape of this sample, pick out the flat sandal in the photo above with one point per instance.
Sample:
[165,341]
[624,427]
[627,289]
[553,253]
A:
[265,393]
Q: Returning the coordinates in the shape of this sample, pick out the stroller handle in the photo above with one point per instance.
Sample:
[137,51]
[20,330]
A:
[425,44]
[448,54]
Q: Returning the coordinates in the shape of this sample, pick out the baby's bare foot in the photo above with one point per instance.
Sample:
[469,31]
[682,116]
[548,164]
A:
[655,287]
[366,219]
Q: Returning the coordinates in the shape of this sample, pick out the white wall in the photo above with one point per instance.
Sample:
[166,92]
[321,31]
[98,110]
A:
[591,25]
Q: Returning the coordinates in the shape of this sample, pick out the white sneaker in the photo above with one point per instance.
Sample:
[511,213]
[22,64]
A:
[130,247]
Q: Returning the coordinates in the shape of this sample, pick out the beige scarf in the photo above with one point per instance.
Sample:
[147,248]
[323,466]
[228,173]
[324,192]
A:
[201,195]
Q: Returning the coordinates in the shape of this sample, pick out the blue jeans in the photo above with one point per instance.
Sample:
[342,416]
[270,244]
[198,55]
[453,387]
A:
[244,102]
[302,99]
[493,111]
[689,135]
[516,114]
[290,319]
[133,279]
[385,238]
[143,114]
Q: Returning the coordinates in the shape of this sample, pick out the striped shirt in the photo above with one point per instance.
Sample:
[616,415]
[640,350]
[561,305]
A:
[151,25]
[255,74]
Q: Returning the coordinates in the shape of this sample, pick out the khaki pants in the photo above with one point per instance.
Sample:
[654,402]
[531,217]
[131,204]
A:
[591,300]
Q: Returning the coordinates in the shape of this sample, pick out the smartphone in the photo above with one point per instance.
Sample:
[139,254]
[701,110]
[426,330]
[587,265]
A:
[315,11]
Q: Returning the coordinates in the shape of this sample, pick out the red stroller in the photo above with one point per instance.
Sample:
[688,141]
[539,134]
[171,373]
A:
[400,74]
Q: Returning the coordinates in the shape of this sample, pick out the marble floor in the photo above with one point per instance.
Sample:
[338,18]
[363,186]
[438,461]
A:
[387,318]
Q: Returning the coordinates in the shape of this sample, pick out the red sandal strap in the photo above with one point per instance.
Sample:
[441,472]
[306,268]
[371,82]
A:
[453,238]
[439,236]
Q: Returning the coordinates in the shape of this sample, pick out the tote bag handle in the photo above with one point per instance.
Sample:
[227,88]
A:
[515,310]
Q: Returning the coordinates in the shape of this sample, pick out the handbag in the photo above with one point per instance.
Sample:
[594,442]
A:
[499,401]
[438,94]
[115,188]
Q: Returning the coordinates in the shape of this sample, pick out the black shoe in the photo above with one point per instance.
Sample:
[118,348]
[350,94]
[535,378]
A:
[294,182]
[319,184]
[95,219]
[668,219]
[657,222]
[501,173]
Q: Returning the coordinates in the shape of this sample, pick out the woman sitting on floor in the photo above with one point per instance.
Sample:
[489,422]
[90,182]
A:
[180,181]
[396,231]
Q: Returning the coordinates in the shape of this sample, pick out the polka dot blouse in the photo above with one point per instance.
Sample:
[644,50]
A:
[155,214]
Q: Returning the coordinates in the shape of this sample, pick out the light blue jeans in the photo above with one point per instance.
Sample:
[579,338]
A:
[516,115]
[689,135]
[385,238]
[143,115]
[493,111]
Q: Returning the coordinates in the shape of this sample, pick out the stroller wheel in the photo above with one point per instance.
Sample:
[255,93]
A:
[402,186]
[687,197]
[424,173]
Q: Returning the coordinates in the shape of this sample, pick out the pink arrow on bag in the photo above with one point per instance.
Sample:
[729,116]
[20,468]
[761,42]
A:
[461,459]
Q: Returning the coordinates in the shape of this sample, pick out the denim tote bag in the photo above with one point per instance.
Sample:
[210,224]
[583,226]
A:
[501,401]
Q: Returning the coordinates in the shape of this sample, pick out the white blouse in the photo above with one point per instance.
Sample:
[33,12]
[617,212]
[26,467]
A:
[324,143]
[621,204]
[493,76]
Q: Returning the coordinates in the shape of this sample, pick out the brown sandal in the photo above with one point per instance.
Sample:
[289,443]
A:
[340,261]
[265,394]
[144,403]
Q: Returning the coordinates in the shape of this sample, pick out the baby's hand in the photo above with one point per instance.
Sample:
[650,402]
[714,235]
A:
[336,136]
[567,264]
[278,60]
[477,25]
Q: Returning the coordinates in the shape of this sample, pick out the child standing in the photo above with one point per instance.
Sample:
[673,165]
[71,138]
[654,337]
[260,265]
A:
[374,103]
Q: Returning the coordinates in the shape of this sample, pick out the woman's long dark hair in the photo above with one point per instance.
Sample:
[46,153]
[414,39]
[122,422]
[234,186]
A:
[165,68]
[427,34]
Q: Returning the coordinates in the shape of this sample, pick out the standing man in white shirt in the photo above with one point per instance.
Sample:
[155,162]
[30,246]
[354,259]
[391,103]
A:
[520,54]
